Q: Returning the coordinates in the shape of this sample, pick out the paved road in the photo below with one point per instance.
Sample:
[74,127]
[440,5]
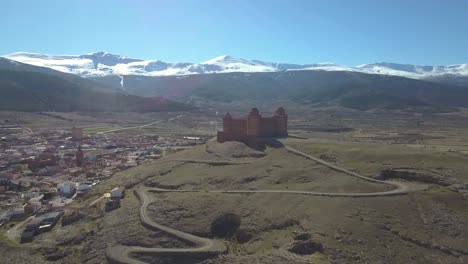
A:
[138,127]
[121,254]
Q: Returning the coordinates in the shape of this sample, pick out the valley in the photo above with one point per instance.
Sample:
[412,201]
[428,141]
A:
[276,194]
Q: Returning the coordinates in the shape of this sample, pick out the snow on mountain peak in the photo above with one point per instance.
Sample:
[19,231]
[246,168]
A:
[101,53]
[231,64]
[22,53]
[104,63]
[223,59]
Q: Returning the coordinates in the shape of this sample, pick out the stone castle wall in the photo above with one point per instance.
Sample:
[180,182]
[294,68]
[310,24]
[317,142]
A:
[254,126]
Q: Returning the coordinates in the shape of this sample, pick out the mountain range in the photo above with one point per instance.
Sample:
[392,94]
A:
[101,64]
[26,87]
[106,82]
[349,89]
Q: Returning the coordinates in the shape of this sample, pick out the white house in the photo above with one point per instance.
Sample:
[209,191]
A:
[83,187]
[67,188]
[117,192]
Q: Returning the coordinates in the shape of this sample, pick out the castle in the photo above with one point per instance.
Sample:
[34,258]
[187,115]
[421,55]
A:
[249,129]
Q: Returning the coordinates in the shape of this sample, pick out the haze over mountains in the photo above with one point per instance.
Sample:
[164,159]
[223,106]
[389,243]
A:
[104,64]
[62,80]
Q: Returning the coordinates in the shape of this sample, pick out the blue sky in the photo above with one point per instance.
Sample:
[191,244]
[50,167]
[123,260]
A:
[348,32]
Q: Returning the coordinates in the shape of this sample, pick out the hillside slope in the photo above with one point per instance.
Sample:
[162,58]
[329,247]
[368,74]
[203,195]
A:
[29,88]
[350,89]
[393,229]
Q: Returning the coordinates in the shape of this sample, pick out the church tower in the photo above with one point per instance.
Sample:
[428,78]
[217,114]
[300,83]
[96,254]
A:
[79,155]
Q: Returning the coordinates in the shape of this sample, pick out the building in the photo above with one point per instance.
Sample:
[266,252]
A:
[27,236]
[66,188]
[34,225]
[44,159]
[17,214]
[4,181]
[117,192]
[77,134]
[71,217]
[83,187]
[40,224]
[49,221]
[249,129]
[32,207]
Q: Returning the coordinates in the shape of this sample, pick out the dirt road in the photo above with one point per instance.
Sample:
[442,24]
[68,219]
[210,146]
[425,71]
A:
[121,254]
[139,127]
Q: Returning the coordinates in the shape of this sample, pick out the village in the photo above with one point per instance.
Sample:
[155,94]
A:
[42,172]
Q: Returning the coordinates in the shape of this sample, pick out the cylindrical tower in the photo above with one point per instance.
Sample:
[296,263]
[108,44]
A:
[253,122]
[282,122]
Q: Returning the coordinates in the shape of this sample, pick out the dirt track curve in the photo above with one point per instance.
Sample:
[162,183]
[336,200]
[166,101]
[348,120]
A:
[121,254]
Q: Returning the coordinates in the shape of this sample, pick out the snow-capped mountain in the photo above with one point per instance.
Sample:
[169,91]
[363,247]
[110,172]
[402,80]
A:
[414,71]
[105,64]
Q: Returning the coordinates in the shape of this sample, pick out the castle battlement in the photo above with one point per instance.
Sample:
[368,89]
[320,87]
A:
[254,126]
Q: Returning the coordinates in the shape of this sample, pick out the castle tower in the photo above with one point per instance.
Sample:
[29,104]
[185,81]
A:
[77,133]
[253,122]
[282,122]
[227,123]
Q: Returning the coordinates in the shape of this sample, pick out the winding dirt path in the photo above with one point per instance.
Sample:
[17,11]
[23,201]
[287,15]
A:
[398,185]
[122,254]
